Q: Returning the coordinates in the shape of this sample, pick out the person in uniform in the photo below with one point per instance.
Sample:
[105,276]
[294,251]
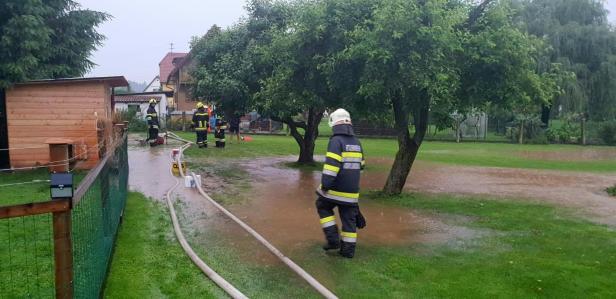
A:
[340,186]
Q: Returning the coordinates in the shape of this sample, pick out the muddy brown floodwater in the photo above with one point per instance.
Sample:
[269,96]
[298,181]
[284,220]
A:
[280,204]
[282,208]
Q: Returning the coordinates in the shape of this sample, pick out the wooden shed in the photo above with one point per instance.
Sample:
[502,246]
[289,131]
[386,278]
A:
[63,114]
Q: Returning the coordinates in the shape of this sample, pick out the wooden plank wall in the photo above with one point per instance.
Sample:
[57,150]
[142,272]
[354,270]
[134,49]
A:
[42,111]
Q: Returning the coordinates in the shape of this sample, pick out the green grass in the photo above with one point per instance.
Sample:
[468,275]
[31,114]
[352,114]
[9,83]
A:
[469,154]
[148,261]
[25,193]
[34,189]
[527,251]
[233,257]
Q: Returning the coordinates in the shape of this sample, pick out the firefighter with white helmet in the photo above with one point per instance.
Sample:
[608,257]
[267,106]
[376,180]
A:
[201,123]
[152,119]
[340,186]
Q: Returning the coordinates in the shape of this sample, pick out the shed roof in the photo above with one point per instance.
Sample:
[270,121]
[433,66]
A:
[136,98]
[113,81]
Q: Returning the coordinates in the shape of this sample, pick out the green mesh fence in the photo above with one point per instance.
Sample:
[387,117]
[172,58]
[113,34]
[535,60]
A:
[95,221]
[26,257]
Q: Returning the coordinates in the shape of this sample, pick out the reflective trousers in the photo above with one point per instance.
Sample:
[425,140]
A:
[348,217]
[202,138]
[153,133]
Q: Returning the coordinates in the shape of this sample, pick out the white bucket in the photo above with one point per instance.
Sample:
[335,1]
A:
[189,181]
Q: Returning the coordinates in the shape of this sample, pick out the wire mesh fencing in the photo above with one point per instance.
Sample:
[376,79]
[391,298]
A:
[62,248]
[26,257]
[95,220]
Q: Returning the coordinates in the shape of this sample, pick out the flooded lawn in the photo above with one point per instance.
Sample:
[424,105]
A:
[281,207]
[279,204]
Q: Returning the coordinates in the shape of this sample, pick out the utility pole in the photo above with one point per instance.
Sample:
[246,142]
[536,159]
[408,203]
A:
[171,47]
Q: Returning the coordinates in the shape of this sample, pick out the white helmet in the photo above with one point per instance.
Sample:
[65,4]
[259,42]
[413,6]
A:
[339,117]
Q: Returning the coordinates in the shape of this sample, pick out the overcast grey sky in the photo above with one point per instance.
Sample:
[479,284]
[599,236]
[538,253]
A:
[139,34]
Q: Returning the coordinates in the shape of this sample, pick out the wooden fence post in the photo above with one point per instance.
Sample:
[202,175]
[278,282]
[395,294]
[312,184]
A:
[63,253]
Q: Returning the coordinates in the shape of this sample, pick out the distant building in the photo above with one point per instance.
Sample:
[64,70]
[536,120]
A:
[75,114]
[139,103]
[153,86]
[165,67]
[180,80]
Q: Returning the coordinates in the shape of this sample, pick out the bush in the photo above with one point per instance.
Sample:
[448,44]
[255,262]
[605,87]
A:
[540,137]
[607,132]
[611,190]
[533,131]
[568,132]
[135,123]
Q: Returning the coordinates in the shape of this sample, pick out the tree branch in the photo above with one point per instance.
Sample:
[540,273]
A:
[476,13]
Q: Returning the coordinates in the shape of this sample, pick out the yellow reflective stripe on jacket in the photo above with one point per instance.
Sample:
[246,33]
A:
[327,219]
[331,168]
[334,156]
[329,195]
[343,194]
[352,155]
[349,235]
[201,114]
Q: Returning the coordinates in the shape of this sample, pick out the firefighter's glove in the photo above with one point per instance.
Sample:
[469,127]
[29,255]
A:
[361,221]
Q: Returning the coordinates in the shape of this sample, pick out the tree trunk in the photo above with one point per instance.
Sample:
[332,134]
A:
[583,128]
[306,142]
[521,135]
[458,129]
[407,146]
[545,115]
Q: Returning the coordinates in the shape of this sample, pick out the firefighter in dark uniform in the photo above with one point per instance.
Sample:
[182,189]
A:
[201,123]
[152,119]
[340,186]
[219,134]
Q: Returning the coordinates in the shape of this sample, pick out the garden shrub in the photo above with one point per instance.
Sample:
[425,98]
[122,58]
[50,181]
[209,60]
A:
[607,132]
[611,190]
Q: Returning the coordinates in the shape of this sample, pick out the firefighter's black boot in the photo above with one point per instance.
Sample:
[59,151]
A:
[347,249]
[331,235]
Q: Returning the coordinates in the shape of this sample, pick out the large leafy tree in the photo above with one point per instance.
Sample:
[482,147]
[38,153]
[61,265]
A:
[443,57]
[584,43]
[298,92]
[228,69]
[46,39]
[222,70]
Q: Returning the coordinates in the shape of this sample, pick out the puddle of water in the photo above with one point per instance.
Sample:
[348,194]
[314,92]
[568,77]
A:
[282,209]
[583,154]
[200,221]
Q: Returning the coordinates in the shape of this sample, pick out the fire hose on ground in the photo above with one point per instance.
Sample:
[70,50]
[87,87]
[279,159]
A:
[219,280]
[287,261]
